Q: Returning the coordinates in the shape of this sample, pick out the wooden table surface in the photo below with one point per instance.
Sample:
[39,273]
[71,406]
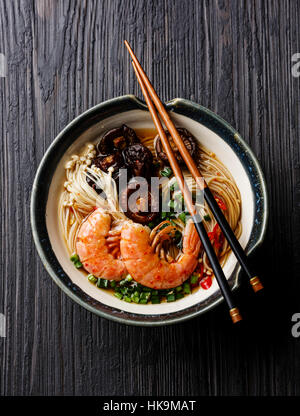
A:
[234,57]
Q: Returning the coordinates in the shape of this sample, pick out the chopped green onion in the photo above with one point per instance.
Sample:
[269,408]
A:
[128,278]
[105,283]
[129,290]
[118,295]
[171,204]
[74,258]
[78,264]
[167,172]
[194,279]
[98,282]
[171,298]
[92,278]
[135,299]
[167,215]
[179,197]
[207,217]
[182,217]
[145,295]
[187,287]
[179,296]
[174,186]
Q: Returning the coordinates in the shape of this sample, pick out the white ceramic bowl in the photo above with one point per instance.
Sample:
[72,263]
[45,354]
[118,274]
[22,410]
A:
[212,132]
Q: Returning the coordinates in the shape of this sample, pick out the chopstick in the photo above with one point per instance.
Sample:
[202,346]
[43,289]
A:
[217,269]
[212,203]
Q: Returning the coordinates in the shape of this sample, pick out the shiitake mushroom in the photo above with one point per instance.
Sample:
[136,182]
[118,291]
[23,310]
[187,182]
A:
[130,135]
[139,160]
[109,151]
[139,212]
[120,148]
[188,140]
[117,139]
[114,160]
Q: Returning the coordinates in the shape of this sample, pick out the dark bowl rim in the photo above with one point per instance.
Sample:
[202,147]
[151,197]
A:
[179,106]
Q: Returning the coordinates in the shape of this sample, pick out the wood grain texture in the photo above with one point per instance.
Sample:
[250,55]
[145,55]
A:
[233,57]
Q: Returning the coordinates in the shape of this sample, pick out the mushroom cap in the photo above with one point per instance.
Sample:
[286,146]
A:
[188,140]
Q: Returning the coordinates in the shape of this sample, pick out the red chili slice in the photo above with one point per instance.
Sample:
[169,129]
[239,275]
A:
[221,203]
[218,234]
[206,282]
[217,237]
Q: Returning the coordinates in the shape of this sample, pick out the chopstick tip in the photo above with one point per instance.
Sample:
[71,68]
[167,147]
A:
[129,49]
[235,315]
[127,44]
[256,284]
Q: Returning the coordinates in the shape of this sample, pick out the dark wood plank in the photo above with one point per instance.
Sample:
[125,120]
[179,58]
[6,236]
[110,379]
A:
[233,57]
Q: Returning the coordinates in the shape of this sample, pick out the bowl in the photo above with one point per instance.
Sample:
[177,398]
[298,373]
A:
[211,131]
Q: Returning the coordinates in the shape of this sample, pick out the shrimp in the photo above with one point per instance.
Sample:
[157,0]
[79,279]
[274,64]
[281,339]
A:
[144,264]
[97,248]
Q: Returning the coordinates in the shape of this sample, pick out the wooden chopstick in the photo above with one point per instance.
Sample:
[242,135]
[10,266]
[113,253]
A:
[212,203]
[221,279]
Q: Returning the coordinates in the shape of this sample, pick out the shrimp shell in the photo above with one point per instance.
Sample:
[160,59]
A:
[144,264]
[93,250]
